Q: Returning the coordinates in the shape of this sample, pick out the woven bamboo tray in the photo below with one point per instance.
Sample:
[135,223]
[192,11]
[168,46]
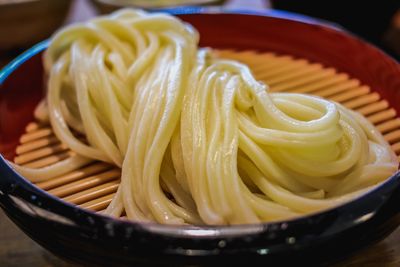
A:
[93,186]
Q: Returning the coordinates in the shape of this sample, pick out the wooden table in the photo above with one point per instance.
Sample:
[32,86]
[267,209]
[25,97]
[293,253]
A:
[16,249]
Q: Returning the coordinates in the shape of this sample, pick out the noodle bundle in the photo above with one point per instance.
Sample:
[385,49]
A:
[198,139]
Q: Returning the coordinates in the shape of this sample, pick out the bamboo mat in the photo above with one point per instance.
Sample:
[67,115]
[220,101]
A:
[93,186]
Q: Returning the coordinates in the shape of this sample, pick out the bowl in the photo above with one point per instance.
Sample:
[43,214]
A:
[24,23]
[95,240]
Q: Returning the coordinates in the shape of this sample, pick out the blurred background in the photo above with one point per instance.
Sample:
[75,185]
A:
[26,22]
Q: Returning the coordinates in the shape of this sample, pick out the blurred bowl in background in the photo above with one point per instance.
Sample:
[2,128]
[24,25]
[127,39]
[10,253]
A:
[26,22]
[107,6]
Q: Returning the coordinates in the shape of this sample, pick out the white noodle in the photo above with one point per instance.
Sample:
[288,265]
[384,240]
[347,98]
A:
[198,139]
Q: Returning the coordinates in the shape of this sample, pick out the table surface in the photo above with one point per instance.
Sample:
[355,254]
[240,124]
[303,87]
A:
[16,249]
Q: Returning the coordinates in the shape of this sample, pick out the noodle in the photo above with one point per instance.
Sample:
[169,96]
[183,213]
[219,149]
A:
[198,139]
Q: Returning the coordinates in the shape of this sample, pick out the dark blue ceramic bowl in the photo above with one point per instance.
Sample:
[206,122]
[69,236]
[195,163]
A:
[89,238]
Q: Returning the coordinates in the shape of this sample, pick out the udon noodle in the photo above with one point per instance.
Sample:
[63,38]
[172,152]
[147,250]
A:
[198,139]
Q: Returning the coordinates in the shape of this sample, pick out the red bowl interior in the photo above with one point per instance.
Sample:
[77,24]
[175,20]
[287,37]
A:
[22,90]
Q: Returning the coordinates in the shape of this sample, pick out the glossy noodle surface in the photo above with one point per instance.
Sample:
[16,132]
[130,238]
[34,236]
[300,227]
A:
[197,138]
